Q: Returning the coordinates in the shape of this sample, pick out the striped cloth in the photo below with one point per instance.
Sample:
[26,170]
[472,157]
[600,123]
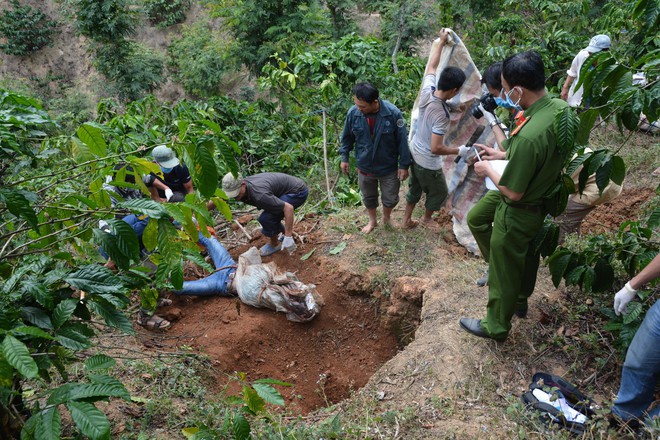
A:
[465,187]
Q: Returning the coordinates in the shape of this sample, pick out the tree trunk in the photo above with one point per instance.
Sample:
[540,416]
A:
[402,27]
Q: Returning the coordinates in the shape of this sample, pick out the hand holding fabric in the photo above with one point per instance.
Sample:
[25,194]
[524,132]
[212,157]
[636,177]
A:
[168,194]
[463,151]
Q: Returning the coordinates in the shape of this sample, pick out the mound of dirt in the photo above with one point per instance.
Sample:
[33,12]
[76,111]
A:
[609,216]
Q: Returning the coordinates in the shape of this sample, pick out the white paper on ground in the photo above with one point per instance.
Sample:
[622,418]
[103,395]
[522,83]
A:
[498,166]
[561,404]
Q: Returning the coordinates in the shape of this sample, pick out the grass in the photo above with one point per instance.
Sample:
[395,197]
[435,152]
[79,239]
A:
[638,150]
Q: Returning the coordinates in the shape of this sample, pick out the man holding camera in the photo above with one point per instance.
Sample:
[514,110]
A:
[480,217]
[533,169]
[427,146]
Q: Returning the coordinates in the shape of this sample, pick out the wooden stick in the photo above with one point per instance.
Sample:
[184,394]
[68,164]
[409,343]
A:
[243,229]
[325,161]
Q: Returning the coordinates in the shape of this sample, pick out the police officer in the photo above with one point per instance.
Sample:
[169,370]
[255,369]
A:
[533,169]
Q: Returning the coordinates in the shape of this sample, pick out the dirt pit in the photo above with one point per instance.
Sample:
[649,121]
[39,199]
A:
[324,360]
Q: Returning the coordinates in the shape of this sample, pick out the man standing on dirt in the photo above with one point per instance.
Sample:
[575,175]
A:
[278,194]
[532,172]
[377,131]
[427,145]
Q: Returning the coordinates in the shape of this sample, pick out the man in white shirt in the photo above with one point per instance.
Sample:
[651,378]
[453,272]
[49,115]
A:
[568,91]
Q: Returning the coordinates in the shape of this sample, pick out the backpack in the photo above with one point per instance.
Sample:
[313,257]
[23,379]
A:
[559,402]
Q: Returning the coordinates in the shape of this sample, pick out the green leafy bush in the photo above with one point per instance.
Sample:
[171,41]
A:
[263,27]
[104,20]
[200,59]
[166,12]
[135,70]
[26,30]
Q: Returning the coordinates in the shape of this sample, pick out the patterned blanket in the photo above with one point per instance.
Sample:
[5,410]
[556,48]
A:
[465,188]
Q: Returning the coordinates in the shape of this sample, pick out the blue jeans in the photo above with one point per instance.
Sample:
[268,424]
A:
[641,370]
[139,225]
[216,283]
[271,222]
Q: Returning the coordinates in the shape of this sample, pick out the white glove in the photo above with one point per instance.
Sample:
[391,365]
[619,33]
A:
[104,226]
[168,194]
[490,117]
[289,244]
[622,298]
[463,151]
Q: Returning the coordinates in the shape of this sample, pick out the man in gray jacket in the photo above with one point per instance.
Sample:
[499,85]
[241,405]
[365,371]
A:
[377,131]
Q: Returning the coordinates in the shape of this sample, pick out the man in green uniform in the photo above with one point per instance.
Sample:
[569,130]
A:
[533,169]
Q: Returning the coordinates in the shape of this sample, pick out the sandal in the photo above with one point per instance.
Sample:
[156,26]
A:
[163,302]
[153,322]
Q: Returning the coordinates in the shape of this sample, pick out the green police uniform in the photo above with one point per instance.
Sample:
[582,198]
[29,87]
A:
[534,167]
[480,221]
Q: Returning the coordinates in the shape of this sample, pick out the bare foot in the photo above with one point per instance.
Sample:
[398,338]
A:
[370,227]
[409,224]
[430,223]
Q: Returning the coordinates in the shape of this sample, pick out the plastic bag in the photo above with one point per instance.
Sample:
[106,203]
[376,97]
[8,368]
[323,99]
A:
[263,285]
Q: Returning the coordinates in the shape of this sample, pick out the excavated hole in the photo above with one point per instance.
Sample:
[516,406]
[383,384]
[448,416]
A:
[357,331]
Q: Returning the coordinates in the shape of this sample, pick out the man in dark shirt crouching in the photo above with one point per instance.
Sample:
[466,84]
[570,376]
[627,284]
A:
[278,194]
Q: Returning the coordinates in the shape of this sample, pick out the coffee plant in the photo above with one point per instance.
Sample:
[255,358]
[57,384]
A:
[25,30]
[165,13]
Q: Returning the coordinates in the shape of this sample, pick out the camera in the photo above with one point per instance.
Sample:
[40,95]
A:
[487,101]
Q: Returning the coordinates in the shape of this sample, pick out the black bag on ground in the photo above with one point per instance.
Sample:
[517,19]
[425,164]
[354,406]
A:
[559,402]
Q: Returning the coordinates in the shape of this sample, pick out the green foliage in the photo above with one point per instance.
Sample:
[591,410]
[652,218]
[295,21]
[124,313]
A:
[25,30]
[599,261]
[51,233]
[251,402]
[166,12]
[404,23]
[134,70]
[40,327]
[263,27]
[105,21]
[200,59]
[324,76]
[342,22]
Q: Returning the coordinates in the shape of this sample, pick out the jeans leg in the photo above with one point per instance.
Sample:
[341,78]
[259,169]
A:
[640,369]
[213,285]
[217,251]
[216,283]
[271,222]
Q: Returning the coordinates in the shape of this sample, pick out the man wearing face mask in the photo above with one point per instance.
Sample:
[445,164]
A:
[534,167]
[176,177]
[480,217]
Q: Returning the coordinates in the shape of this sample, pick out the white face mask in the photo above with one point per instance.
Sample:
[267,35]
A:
[507,96]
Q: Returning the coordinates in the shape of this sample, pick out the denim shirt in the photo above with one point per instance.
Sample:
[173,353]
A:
[387,151]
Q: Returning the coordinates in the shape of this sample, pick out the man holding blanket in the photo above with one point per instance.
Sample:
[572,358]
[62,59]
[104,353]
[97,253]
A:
[427,146]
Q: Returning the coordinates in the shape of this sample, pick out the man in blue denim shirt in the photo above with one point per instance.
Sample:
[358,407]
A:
[377,130]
